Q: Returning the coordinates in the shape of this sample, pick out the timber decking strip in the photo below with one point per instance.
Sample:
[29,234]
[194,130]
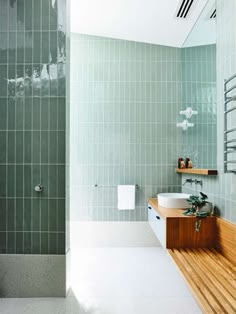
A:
[211,277]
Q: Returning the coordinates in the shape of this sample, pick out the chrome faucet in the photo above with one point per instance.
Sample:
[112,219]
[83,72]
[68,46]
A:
[193,181]
[198,182]
[188,181]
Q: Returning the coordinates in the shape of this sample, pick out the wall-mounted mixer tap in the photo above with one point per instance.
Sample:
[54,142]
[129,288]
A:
[193,181]
[188,181]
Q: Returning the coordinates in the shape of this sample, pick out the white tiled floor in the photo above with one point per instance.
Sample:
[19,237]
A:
[116,281]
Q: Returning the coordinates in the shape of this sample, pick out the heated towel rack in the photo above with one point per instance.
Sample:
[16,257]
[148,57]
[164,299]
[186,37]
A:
[230,125]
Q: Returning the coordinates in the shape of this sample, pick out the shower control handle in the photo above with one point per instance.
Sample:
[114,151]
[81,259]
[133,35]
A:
[38,188]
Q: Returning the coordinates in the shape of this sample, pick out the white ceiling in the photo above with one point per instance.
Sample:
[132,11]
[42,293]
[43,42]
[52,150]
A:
[150,21]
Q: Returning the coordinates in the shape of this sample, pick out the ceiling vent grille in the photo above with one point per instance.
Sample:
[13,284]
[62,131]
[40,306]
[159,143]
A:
[184,8]
[213,14]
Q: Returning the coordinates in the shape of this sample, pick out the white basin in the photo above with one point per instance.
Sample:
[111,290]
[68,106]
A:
[173,200]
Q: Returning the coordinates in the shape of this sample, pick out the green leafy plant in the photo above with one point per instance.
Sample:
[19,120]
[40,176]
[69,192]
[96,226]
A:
[196,202]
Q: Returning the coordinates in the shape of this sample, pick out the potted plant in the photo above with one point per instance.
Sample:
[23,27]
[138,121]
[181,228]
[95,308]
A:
[200,207]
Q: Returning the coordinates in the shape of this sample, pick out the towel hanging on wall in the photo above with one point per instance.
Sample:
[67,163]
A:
[126,197]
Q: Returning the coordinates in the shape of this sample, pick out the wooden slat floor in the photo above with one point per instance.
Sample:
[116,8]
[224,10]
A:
[211,277]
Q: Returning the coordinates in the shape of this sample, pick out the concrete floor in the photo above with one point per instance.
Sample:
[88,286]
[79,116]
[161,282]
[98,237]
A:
[136,280]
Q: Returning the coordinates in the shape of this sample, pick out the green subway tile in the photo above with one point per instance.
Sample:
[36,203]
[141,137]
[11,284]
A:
[35,211]
[53,138]
[11,215]
[28,113]
[28,45]
[12,17]
[11,181]
[61,148]
[3,143]
[52,214]
[45,14]
[19,113]
[3,81]
[3,185]
[19,180]
[12,81]
[44,242]
[45,180]
[12,45]
[61,113]
[53,74]
[45,109]
[27,215]
[61,181]
[53,113]
[27,181]
[20,47]
[19,243]
[3,215]
[19,147]
[36,80]
[11,243]
[52,243]
[20,12]
[45,47]
[53,47]
[11,113]
[53,182]
[62,18]
[61,79]
[53,16]
[28,243]
[44,215]
[29,73]
[37,14]
[44,147]
[19,215]
[4,16]
[27,146]
[36,147]
[61,243]
[36,113]
[3,242]
[3,115]
[35,244]
[61,215]
[28,15]
[45,81]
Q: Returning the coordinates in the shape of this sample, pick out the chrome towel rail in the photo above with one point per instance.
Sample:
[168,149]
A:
[227,111]
[112,186]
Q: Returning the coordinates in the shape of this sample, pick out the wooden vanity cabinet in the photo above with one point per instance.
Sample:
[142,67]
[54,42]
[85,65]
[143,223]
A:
[174,230]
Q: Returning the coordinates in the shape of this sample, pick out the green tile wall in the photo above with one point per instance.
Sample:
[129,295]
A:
[199,92]
[32,126]
[222,188]
[125,99]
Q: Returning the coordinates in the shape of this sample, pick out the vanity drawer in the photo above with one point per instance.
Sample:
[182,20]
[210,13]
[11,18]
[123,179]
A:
[158,225]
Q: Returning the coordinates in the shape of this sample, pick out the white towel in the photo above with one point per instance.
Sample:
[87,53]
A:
[126,197]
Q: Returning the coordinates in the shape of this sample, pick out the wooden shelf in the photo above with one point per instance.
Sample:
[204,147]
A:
[205,172]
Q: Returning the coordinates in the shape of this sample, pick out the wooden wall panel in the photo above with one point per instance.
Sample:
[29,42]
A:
[226,239]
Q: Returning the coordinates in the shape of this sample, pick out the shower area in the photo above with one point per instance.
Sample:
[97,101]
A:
[32,147]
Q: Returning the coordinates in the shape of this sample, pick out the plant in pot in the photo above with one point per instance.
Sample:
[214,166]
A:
[200,207]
